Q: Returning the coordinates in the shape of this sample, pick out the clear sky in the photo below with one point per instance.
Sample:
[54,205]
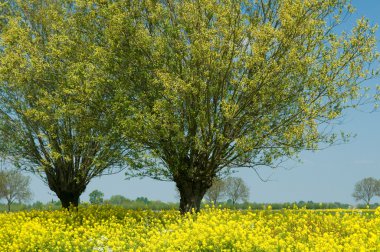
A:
[325,176]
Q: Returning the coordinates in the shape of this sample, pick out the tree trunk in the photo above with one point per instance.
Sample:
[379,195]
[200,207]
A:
[69,199]
[191,194]
[9,206]
[68,188]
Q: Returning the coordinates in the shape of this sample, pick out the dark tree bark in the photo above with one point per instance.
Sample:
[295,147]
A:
[68,190]
[368,200]
[9,205]
[191,193]
[69,199]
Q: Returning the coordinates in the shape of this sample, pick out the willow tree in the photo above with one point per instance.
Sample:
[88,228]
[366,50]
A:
[57,85]
[237,84]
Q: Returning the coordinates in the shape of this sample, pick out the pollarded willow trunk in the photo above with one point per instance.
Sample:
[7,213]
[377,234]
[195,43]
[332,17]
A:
[191,193]
[68,198]
[67,188]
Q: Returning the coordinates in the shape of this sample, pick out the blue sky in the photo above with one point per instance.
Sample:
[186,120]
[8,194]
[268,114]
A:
[325,176]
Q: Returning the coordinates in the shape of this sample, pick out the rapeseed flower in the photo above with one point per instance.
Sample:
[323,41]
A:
[114,229]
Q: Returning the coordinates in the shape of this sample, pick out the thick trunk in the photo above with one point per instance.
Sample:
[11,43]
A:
[69,199]
[191,194]
[68,188]
[190,203]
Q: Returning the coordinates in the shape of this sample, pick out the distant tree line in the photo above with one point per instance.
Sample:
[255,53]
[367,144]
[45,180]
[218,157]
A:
[231,192]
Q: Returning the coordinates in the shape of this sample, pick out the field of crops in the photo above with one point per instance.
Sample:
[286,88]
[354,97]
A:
[116,229]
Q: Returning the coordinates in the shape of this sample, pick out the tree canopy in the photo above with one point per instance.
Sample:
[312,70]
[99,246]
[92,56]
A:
[232,84]
[179,90]
[57,90]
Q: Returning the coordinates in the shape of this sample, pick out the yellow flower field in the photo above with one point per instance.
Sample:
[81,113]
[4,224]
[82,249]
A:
[116,229]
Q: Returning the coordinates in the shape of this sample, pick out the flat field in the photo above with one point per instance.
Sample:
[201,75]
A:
[107,228]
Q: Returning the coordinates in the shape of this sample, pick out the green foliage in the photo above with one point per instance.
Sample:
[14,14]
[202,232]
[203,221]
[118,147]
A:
[142,199]
[199,87]
[118,200]
[232,84]
[245,83]
[57,89]
[96,197]
[140,203]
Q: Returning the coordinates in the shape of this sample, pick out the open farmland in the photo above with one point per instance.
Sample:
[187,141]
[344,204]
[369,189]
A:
[116,229]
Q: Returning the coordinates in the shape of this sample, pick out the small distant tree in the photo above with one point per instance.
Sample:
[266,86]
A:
[14,186]
[236,190]
[366,189]
[216,192]
[96,197]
